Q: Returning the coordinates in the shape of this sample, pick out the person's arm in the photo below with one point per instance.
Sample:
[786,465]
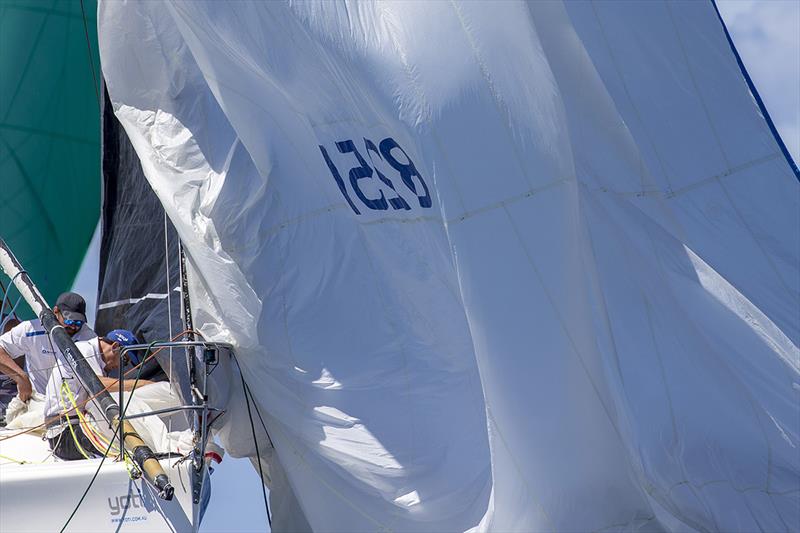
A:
[113,385]
[12,370]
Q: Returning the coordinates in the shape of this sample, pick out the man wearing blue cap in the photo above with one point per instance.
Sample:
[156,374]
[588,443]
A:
[65,391]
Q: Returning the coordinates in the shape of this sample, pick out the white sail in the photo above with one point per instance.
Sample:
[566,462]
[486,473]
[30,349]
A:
[509,266]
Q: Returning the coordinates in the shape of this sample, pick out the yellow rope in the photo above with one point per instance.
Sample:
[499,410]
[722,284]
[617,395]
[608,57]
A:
[94,436]
[65,388]
[7,458]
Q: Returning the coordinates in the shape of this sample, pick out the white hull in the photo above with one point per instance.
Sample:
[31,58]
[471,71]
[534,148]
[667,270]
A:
[41,495]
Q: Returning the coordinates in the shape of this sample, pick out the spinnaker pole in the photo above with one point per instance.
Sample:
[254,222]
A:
[142,455]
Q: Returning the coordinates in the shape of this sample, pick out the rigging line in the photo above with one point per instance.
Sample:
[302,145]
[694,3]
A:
[28,61]
[81,357]
[258,412]
[84,402]
[12,314]
[91,482]
[757,97]
[108,450]
[255,442]
[7,292]
[169,306]
[91,59]
[166,261]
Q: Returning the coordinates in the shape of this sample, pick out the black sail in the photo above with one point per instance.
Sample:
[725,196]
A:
[138,286]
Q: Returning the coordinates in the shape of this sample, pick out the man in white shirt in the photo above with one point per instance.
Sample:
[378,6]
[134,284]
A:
[102,354]
[31,340]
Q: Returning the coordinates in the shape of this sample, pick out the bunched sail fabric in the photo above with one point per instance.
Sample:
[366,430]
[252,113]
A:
[502,267]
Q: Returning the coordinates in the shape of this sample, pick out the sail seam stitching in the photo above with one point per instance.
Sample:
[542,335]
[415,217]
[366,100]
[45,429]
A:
[635,108]
[688,188]
[698,94]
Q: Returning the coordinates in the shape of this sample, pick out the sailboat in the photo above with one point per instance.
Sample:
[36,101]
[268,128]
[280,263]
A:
[483,267]
[49,157]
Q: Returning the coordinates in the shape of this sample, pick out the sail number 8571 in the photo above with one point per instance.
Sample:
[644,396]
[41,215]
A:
[388,151]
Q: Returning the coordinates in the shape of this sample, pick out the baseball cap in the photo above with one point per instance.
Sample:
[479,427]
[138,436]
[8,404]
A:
[121,336]
[72,306]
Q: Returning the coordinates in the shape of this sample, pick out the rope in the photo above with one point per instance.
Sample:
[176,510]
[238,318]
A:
[91,482]
[169,306]
[94,436]
[255,442]
[51,367]
[65,389]
[133,470]
[258,412]
[7,458]
[22,462]
[90,398]
[12,313]
[91,59]
[105,455]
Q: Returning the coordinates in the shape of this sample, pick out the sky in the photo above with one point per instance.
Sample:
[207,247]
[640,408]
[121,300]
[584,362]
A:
[767,35]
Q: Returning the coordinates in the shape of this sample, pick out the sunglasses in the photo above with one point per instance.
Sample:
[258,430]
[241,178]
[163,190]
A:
[131,357]
[76,323]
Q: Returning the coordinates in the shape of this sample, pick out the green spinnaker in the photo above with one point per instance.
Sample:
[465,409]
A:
[49,137]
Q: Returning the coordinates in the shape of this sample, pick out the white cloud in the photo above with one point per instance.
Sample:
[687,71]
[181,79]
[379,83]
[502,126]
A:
[767,35]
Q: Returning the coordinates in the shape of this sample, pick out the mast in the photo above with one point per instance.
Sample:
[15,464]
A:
[142,454]
[197,396]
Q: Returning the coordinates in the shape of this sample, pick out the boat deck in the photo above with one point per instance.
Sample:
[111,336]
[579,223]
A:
[30,476]
[17,448]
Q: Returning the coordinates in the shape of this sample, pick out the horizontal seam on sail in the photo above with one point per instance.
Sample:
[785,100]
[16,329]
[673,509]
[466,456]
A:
[148,296]
[507,201]
[502,203]
[313,214]
[641,522]
[732,487]
[403,220]
[695,185]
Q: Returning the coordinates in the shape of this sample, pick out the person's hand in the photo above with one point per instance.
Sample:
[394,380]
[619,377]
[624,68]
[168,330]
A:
[24,388]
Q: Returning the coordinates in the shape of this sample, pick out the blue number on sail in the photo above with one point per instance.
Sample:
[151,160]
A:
[397,202]
[338,179]
[407,172]
[361,172]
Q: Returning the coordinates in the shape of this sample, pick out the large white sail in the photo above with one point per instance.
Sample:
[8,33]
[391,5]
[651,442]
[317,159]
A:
[498,266]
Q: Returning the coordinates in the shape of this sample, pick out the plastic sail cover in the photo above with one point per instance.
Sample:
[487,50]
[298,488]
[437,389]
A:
[498,266]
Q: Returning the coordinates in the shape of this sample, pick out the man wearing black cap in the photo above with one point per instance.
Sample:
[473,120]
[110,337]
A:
[31,340]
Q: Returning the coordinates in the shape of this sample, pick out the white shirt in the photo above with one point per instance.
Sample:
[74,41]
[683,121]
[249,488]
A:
[31,340]
[62,373]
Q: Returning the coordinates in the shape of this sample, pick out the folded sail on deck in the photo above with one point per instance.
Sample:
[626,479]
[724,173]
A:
[508,266]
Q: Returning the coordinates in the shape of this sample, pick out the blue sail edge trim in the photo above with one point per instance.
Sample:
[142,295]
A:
[754,92]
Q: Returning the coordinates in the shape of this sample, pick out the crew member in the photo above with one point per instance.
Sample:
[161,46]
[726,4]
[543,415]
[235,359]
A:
[65,394]
[31,340]
[8,388]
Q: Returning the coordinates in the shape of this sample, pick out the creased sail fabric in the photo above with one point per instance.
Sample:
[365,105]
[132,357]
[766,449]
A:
[510,267]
